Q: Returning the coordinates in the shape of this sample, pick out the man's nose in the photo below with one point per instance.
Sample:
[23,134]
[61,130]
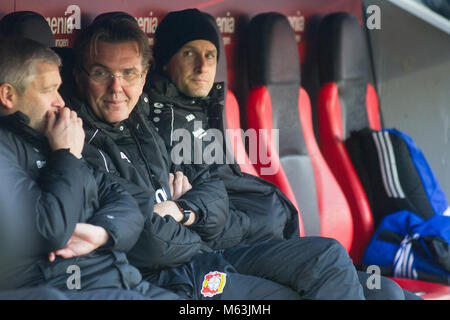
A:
[115,84]
[59,101]
[200,64]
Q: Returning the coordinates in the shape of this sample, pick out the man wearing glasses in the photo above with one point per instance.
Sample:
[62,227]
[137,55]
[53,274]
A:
[190,225]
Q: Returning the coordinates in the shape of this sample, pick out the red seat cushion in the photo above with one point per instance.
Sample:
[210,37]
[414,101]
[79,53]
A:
[427,290]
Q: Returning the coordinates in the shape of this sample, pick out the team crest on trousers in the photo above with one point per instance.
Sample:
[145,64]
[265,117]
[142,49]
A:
[213,283]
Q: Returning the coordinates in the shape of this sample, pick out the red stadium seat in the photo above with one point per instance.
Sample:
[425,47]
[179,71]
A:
[346,102]
[345,75]
[277,101]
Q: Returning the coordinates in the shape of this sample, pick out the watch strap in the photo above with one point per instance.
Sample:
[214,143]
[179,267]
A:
[186,213]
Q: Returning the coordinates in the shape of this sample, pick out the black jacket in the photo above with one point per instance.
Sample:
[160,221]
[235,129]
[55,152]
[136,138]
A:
[134,151]
[43,195]
[259,210]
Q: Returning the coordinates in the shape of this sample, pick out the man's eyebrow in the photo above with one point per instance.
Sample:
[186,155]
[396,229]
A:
[96,64]
[188,46]
[51,86]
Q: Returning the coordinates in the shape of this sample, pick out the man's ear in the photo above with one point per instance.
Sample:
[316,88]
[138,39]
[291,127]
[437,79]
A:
[145,74]
[8,96]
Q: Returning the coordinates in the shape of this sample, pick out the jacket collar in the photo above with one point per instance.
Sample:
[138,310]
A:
[159,84]
[92,122]
[18,123]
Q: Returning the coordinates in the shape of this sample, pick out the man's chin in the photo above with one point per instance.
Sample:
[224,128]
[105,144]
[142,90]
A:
[198,93]
[114,120]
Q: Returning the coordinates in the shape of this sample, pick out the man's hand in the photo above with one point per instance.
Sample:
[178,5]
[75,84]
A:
[85,239]
[65,131]
[179,184]
[170,208]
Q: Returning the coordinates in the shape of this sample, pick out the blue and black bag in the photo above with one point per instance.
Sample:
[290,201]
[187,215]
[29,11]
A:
[409,208]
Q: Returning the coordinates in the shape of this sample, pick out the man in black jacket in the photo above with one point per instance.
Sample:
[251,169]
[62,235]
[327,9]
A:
[192,239]
[183,97]
[64,225]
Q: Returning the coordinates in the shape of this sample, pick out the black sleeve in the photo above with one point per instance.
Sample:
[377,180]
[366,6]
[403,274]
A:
[45,209]
[118,213]
[163,241]
[209,199]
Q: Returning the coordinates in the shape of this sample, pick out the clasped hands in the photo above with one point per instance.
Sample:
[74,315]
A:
[179,185]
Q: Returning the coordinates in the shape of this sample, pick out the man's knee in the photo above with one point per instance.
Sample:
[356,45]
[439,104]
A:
[331,250]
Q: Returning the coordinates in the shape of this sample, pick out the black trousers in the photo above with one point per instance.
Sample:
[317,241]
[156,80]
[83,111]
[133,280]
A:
[314,267]
[300,268]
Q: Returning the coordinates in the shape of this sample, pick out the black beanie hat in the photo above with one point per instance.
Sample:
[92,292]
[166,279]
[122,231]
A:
[178,28]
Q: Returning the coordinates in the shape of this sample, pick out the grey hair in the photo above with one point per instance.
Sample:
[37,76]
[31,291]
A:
[18,57]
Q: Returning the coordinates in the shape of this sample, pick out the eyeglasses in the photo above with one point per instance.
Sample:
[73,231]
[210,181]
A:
[103,76]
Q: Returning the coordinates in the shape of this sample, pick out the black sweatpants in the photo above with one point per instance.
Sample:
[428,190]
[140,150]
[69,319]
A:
[314,267]
[301,268]
[209,276]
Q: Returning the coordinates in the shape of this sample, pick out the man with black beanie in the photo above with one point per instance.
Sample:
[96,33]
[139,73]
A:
[179,28]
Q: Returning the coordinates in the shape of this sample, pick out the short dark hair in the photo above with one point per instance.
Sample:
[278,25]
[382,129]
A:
[18,57]
[113,30]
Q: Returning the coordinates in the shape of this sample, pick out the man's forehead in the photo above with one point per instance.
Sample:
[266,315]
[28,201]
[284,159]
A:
[45,74]
[104,52]
[200,44]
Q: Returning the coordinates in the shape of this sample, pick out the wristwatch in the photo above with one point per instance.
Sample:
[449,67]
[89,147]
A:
[185,212]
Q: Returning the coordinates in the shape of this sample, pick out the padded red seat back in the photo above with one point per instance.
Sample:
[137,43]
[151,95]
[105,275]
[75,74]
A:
[346,102]
[277,101]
